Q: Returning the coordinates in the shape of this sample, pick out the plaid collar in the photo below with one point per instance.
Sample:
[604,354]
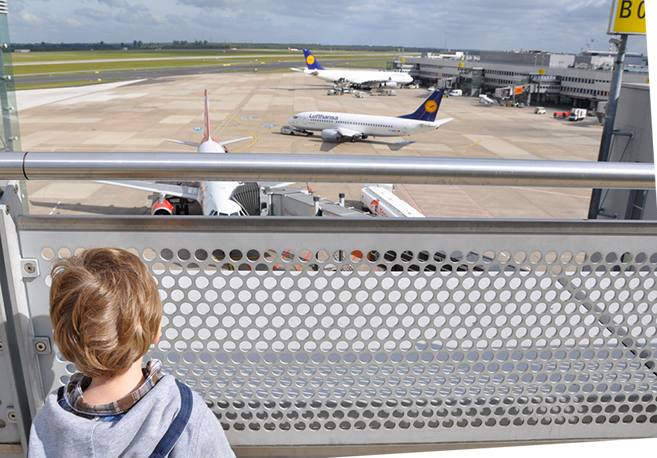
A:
[73,395]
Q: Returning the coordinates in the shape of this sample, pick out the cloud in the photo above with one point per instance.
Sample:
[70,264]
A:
[30,19]
[114,3]
[90,14]
[215,4]
[72,22]
[556,25]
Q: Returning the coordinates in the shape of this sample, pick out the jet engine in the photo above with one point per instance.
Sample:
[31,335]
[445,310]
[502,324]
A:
[389,84]
[331,135]
[162,207]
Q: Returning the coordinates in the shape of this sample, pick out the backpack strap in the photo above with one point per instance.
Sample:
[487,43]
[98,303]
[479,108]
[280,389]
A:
[178,424]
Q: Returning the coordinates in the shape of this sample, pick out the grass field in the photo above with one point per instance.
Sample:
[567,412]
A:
[88,55]
[58,84]
[91,55]
[100,62]
[86,67]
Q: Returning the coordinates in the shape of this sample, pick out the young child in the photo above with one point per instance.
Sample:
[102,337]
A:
[106,312]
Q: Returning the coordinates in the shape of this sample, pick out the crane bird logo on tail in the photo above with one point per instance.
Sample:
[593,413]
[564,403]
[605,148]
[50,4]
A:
[431,106]
[311,61]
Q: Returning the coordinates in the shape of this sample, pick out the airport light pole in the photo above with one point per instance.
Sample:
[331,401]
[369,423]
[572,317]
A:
[612,107]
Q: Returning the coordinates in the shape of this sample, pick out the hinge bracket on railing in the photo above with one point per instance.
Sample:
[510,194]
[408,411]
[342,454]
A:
[12,415]
[29,268]
[42,345]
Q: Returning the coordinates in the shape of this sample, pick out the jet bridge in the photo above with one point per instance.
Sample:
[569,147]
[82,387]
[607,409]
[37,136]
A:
[330,336]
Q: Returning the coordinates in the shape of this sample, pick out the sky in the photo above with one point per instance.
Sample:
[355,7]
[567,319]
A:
[550,25]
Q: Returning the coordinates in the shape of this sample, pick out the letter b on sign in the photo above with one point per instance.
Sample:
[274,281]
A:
[625,9]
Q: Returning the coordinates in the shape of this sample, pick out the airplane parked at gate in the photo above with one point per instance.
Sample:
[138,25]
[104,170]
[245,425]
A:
[359,78]
[336,127]
[216,198]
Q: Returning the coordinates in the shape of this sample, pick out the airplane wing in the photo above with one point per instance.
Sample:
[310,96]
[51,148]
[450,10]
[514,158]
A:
[182,142]
[184,191]
[235,140]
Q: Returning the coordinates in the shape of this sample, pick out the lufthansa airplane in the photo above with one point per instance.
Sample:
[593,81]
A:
[359,78]
[336,127]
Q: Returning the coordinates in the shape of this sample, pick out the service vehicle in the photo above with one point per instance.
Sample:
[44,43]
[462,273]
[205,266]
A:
[577,114]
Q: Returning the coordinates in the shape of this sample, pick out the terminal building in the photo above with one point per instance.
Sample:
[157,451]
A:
[548,78]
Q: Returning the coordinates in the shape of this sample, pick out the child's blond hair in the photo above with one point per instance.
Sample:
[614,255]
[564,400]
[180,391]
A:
[105,310]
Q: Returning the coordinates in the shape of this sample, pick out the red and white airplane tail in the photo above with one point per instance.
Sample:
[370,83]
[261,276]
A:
[206,118]
[207,137]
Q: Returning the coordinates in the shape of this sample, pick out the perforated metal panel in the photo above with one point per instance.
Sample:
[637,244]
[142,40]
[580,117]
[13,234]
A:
[359,332]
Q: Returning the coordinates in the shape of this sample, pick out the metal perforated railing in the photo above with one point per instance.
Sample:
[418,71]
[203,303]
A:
[320,331]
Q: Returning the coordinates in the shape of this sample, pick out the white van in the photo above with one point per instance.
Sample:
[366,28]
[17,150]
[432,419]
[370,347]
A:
[455,93]
[577,114]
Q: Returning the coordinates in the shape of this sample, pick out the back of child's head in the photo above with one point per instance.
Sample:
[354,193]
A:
[105,310]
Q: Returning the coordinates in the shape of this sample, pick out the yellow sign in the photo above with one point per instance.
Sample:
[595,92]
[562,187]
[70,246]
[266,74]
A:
[628,17]
[431,106]
[541,71]
[461,65]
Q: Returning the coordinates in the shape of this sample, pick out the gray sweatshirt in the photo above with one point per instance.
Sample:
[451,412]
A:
[59,433]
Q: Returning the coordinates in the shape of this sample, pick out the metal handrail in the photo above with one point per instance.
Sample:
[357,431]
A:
[325,168]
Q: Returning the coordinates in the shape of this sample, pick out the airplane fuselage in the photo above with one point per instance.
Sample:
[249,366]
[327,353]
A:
[362,77]
[210,146]
[367,125]
[215,196]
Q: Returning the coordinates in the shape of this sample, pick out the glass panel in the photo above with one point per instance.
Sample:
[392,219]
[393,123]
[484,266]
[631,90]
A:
[9,134]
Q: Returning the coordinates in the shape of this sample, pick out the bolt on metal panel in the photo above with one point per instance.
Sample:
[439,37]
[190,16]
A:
[357,335]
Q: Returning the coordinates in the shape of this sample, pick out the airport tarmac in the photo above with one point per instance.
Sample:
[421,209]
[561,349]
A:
[140,116]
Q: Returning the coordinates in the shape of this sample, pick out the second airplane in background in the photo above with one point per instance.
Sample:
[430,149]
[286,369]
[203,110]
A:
[358,78]
[336,127]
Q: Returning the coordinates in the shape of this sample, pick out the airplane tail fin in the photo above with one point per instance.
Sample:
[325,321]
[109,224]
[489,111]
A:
[429,108]
[311,62]
[206,118]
